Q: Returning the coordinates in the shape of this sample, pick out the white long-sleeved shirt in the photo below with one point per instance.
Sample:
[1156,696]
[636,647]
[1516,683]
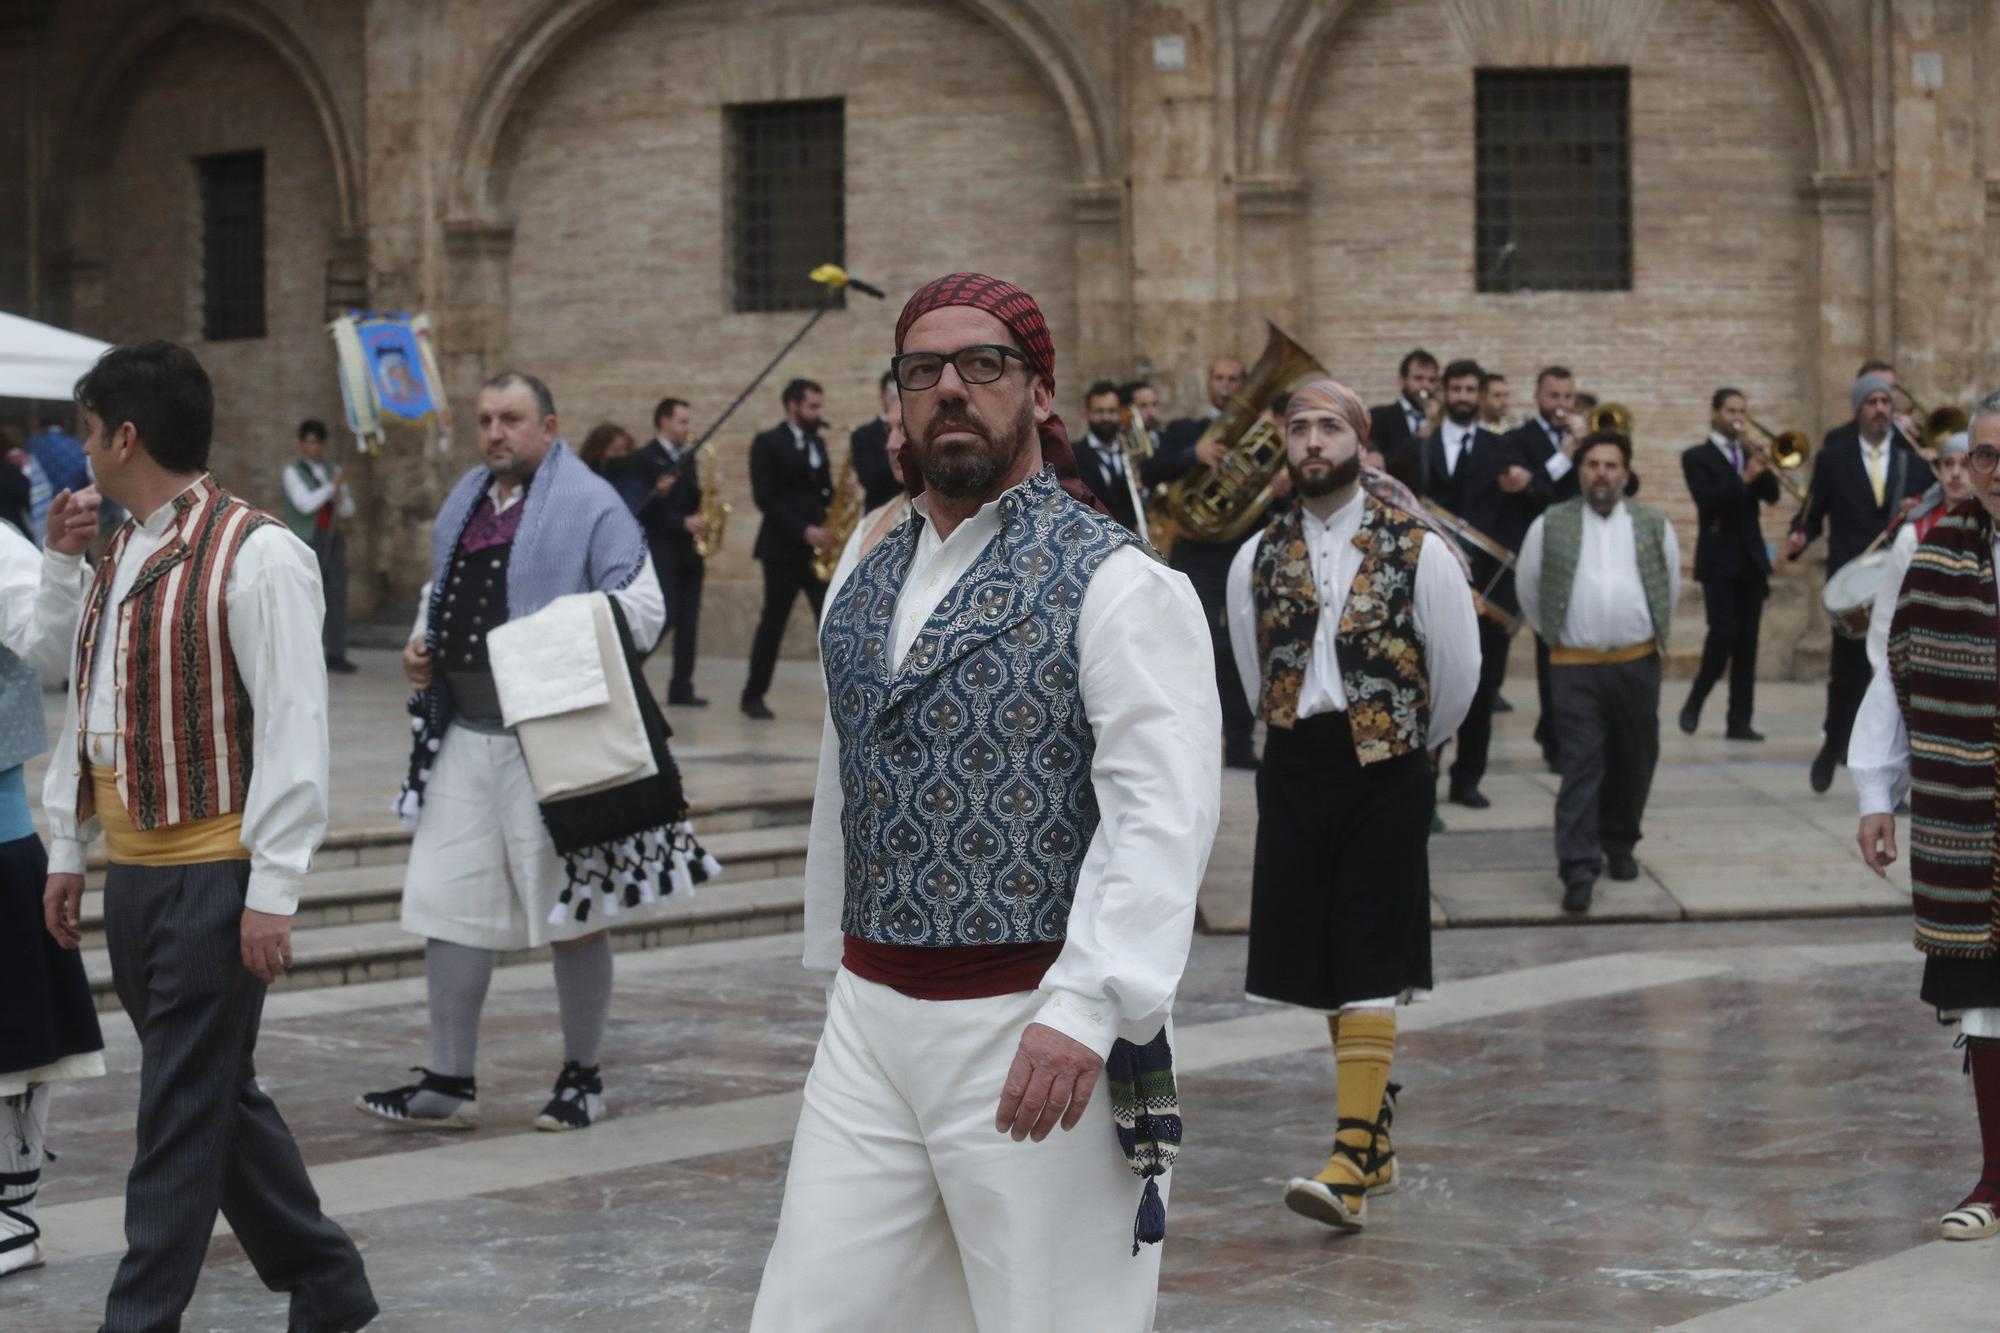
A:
[1878,749]
[642,600]
[40,603]
[275,609]
[311,499]
[1902,550]
[1147,677]
[1446,621]
[1607,604]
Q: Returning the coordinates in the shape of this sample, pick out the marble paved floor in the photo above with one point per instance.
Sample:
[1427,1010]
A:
[1753,1126]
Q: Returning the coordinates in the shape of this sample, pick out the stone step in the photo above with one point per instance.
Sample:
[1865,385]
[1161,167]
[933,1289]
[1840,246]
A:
[345,895]
[341,955]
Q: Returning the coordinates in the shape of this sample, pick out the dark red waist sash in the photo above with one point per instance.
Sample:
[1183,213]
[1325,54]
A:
[956,972]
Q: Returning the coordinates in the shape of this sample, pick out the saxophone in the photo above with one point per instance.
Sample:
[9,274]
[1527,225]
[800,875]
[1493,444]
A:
[841,516]
[714,510]
[1219,504]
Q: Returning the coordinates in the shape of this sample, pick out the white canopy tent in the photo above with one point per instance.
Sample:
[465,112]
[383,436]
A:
[42,361]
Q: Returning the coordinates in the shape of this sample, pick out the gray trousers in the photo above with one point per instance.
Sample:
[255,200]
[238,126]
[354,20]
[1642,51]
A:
[331,548]
[1607,721]
[208,1137]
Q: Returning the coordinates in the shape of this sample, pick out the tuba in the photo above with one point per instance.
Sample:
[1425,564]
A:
[841,516]
[714,510]
[1218,504]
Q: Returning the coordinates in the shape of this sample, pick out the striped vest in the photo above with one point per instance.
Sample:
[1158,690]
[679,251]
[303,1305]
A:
[184,723]
[967,803]
[1562,548]
[1942,662]
[1380,651]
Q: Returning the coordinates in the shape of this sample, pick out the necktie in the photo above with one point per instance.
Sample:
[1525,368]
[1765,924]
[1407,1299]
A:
[1875,478]
[1736,455]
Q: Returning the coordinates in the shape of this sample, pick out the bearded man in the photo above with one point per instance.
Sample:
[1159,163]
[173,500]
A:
[1018,787]
[1355,636]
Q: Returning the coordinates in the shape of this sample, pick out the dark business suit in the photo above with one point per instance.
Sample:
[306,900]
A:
[1470,488]
[1390,434]
[870,444]
[1734,570]
[1207,566]
[792,487]
[1107,479]
[682,571]
[1841,500]
[209,1139]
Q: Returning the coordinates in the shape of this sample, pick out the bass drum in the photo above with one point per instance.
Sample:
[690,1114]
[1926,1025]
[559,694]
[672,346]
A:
[1849,596]
[1489,568]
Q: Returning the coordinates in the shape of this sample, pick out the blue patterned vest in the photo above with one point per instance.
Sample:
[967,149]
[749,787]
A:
[966,801]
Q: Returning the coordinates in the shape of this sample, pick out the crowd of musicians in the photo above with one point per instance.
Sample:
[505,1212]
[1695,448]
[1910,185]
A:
[1028,714]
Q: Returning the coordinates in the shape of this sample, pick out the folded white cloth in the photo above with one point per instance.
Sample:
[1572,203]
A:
[566,693]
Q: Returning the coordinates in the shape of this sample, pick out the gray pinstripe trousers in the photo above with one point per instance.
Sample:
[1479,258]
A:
[209,1139]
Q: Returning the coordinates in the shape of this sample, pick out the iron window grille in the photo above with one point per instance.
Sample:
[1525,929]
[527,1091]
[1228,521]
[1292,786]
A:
[232,245]
[786,212]
[1554,179]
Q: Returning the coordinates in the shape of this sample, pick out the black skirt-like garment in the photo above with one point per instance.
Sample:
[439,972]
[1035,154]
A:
[1340,895]
[1962,983]
[46,1012]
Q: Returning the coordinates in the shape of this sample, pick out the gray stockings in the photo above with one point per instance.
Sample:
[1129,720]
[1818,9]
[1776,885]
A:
[1607,722]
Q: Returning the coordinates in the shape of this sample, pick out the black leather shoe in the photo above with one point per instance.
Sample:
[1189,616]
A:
[1242,756]
[1469,797]
[1576,896]
[341,666]
[1690,717]
[347,1323]
[1742,734]
[686,701]
[1622,867]
[1822,771]
[755,708]
[1500,704]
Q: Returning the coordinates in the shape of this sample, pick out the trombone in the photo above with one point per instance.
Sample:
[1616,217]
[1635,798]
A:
[1786,454]
[1938,426]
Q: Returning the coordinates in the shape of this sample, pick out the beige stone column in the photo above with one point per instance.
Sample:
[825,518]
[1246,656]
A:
[1271,250]
[1103,291]
[1847,290]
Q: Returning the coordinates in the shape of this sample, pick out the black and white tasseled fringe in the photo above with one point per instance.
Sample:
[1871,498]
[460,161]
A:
[631,872]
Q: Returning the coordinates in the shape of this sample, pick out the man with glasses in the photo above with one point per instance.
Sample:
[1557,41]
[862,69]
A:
[1926,731]
[1017,791]
[1864,473]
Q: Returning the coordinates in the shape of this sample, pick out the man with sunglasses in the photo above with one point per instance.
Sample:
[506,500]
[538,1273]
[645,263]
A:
[1018,787]
[1926,731]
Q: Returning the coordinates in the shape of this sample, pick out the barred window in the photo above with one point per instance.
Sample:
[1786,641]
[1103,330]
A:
[1554,186]
[786,211]
[232,245]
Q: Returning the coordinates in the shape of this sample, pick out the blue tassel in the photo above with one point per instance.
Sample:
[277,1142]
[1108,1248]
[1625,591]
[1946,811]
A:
[1151,1225]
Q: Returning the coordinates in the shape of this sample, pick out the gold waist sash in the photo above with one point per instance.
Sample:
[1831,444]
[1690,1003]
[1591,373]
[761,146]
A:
[217,838]
[1559,655]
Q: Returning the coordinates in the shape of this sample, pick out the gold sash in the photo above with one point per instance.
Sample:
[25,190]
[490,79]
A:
[219,838]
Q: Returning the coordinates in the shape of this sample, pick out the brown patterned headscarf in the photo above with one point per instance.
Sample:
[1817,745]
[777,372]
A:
[1023,318]
[1330,396]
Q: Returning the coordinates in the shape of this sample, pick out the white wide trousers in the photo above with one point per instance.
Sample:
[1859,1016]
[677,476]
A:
[906,1209]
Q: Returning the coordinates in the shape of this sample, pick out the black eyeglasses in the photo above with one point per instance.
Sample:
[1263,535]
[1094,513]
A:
[981,363]
[1984,460]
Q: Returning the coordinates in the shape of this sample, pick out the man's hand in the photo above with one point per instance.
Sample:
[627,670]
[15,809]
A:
[1909,502]
[1754,466]
[62,909]
[818,537]
[1795,544]
[1877,837]
[696,526]
[417,663]
[72,521]
[1514,479]
[1051,1079]
[267,944]
[665,485]
[1211,452]
[1281,484]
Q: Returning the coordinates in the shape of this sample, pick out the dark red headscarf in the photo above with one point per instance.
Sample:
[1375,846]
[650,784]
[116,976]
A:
[1023,318]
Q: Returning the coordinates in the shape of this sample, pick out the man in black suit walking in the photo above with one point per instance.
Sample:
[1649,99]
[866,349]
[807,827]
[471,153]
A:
[1207,563]
[1467,469]
[1400,431]
[1865,475]
[666,497]
[1730,483]
[791,484]
[1100,459]
[870,443]
[1545,444]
